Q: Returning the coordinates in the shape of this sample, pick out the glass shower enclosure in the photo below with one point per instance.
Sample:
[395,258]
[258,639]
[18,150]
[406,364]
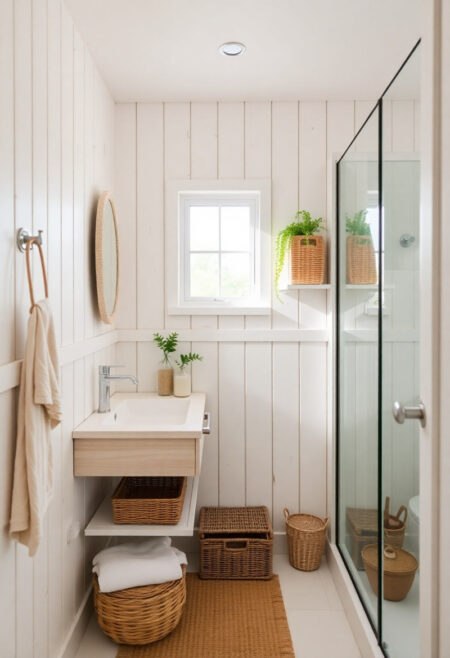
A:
[378,362]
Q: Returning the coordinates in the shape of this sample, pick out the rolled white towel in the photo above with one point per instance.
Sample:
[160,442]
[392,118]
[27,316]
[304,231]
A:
[135,564]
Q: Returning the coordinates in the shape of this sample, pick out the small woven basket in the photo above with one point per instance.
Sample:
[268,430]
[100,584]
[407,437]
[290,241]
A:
[399,570]
[149,500]
[306,535]
[307,259]
[140,615]
[361,268]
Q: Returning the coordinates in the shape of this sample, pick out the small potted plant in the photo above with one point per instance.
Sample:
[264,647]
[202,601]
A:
[182,383]
[165,374]
[361,268]
[307,250]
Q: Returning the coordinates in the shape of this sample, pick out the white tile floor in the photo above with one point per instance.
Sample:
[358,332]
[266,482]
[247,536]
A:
[318,624]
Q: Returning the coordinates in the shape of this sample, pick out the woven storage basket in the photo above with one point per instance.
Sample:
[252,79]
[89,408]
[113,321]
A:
[307,259]
[235,543]
[399,568]
[149,500]
[361,268]
[306,535]
[362,527]
[140,615]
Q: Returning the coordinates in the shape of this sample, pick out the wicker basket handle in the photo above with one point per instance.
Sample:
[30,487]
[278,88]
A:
[402,510]
[236,545]
[286,514]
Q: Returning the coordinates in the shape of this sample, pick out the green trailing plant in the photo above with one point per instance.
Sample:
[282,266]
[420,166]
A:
[304,224]
[167,345]
[357,224]
[186,359]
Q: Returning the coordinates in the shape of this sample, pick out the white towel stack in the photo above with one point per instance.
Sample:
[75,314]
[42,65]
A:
[134,564]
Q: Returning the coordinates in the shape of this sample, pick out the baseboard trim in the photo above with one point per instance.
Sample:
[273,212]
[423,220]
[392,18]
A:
[353,608]
[78,627]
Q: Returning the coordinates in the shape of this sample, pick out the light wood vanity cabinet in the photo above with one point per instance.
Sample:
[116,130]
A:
[136,457]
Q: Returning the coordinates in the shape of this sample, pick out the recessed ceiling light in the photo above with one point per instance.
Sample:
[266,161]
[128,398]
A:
[232,48]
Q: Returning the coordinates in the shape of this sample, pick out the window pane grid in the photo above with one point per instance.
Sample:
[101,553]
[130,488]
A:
[231,278]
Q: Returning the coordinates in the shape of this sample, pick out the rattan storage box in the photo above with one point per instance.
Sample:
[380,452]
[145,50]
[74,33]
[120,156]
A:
[236,543]
[149,500]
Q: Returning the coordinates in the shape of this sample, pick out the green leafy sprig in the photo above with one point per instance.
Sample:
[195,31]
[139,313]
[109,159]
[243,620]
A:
[357,225]
[167,345]
[186,359]
[305,224]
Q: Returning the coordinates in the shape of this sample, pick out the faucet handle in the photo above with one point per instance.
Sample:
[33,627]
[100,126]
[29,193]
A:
[105,370]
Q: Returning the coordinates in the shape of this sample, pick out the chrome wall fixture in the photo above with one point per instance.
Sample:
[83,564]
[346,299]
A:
[23,236]
[406,240]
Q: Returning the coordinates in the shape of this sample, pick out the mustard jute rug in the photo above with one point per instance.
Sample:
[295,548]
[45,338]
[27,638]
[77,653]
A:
[225,619]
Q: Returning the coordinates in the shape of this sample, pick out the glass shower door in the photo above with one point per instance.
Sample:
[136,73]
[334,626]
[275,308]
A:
[358,356]
[400,358]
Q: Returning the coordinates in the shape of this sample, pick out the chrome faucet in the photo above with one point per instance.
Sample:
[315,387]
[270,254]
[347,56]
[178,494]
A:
[104,380]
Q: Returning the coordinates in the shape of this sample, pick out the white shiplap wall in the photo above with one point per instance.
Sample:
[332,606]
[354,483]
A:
[56,155]
[265,377]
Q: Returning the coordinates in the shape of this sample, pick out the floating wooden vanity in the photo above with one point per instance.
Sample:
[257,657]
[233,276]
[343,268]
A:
[142,435]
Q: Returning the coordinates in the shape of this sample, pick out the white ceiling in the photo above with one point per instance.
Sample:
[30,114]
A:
[296,49]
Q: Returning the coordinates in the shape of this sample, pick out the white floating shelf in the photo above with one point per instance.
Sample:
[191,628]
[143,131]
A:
[101,524]
[361,286]
[307,286]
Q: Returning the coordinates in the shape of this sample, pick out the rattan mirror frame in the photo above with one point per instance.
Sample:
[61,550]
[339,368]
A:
[105,315]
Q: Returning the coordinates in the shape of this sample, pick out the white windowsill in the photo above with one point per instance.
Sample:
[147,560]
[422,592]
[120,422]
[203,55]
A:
[222,310]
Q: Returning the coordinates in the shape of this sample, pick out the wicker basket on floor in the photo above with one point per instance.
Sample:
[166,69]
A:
[140,615]
[306,535]
[149,500]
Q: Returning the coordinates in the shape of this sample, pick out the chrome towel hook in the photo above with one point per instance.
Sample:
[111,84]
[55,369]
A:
[23,237]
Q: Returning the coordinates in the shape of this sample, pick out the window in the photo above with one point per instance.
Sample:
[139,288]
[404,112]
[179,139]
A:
[222,248]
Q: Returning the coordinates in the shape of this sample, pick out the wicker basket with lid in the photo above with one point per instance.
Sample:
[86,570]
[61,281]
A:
[399,569]
[306,535]
[235,543]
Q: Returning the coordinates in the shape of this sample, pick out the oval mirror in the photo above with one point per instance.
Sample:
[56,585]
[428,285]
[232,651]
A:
[106,257]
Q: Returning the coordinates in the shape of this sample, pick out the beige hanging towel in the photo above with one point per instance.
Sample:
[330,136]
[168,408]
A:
[39,411]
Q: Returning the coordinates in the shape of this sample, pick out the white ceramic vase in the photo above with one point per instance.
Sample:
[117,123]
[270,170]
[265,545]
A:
[182,387]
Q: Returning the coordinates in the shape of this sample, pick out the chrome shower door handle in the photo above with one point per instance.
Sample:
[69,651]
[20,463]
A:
[402,413]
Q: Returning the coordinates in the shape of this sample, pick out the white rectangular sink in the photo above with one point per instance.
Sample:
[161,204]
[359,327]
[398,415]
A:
[146,415]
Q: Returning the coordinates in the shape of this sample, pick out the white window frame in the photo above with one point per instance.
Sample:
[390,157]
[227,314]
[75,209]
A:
[180,195]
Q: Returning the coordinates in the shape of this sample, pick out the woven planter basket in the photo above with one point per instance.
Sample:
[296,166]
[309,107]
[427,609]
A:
[306,535]
[149,500]
[307,259]
[361,268]
[140,615]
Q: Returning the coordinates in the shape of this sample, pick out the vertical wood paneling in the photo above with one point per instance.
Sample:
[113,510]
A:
[231,424]
[368,139]
[125,200]
[258,164]
[7,321]
[47,143]
[231,140]
[78,189]
[284,197]
[340,126]
[258,424]
[67,119]
[150,215]
[54,162]
[148,364]
[204,159]
[23,140]
[126,357]
[313,428]
[286,465]
[7,549]
[22,155]
[177,164]
[205,378]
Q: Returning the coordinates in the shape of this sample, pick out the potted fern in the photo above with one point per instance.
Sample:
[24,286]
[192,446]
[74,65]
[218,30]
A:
[182,383]
[307,250]
[167,346]
[361,268]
